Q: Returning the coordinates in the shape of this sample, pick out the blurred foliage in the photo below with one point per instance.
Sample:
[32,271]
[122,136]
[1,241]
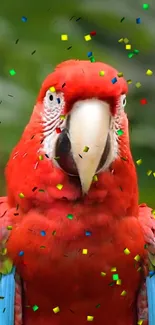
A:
[46,21]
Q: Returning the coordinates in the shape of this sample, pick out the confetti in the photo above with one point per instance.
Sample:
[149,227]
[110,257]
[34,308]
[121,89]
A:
[103,274]
[113,269]
[115,277]
[93,33]
[139,162]
[17,41]
[41,157]
[138,84]
[95,178]
[24,19]
[56,310]
[136,51]
[89,54]
[97,306]
[70,216]
[126,40]
[78,19]
[119,282]
[21,195]
[126,251]
[123,293]
[114,80]
[101,73]
[154,174]
[64,37]
[128,47]
[85,251]
[92,59]
[58,130]
[58,100]
[149,72]
[138,20]
[88,233]
[120,74]
[85,149]
[43,233]
[9,227]
[68,48]
[129,81]
[137,258]
[130,55]
[33,52]
[35,308]
[143,101]
[122,19]
[59,186]
[145,6]
[140,322]
[12,72]
[64,84]
[87,38]
[120,132]
[21,253]
[52,89]
[62,117]
[90,318]
[121,40]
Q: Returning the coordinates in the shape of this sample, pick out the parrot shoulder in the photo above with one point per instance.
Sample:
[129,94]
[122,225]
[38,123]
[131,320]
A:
[147,222]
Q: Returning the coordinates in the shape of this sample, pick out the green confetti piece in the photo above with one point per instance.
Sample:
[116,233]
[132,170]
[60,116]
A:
[21,195]
[130,55]
[9,227]
[54,232]
[97,306]
[41,190]
[41,157]
[120,132]
[35,308]
[92,59]
[115,277]
[145,6]
[70,216]
[12,72]
[136,51]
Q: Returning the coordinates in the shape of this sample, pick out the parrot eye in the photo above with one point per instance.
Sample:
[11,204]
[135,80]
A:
[123,100]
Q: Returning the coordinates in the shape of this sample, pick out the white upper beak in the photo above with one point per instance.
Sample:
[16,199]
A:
[89,127]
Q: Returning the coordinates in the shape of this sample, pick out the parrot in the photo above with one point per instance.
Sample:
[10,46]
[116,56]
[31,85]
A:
[71,224]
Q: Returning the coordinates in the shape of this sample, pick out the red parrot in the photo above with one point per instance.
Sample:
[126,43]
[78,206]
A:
[76,234]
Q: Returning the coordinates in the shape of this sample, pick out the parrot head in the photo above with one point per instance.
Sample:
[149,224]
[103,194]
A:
[76,144]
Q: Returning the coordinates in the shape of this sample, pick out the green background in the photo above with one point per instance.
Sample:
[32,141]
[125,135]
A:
[46,21]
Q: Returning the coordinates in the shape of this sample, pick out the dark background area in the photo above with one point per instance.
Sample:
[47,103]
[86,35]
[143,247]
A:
[46,21]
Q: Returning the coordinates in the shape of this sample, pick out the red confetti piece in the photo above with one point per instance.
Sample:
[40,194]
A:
[93,33]
[143,101]
[58,130]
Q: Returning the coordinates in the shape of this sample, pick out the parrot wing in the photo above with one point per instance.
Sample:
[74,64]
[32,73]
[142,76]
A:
[10,286]
[146,297]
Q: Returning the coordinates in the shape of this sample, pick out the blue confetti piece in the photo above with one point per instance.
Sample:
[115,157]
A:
[24,19]
[114,80]
[21,253]
[89,54]
[88,233]
[43,233]
[151,273]
[138,20]
[58,100]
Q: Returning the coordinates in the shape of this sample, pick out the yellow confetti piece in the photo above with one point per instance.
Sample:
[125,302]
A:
[113,269]
[139,162]
[149,172]
[103,274]
[6,266]
[137,258]
[85,149]
[87,38]
[129,81]
[101,73]
[140,322]
[85,251]
[120,74]
[123,293]
[126,40]
[139,269]
[95,178]
[149,72]
[126,251]
[52,89]
[154,174]
[128,47]
[138,84]
[64,37]
[9,227]
[3,251]
[41,157]
[56,310]
[59,186]
[90,318]
[120,40]
[153,212]
[119,282]
[21,195]
[62,117]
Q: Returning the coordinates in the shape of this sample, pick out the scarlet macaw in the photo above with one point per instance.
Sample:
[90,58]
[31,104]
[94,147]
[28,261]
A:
[70,223]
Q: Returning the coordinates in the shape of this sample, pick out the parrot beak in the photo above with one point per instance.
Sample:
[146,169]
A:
[88,129]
